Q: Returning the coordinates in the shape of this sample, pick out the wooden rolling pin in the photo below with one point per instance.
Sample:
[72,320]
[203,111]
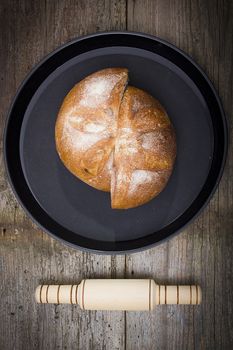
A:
[118,294]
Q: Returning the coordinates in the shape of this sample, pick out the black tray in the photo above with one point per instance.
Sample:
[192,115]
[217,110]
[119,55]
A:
[74,212]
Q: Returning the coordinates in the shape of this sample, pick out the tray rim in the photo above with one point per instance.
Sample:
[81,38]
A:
[201,208]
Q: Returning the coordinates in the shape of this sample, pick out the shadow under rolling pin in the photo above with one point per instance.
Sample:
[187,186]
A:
[118,294]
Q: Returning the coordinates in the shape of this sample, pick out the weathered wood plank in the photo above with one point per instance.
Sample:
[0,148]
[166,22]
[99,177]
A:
[202,253]
[29,258]
[30,30]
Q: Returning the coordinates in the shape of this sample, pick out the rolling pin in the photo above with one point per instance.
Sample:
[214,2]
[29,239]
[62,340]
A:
[118,294]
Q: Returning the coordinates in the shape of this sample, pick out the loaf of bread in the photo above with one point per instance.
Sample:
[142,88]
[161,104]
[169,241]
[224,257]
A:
[116,138]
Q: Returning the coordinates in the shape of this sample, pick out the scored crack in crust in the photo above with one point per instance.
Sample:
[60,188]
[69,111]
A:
[116,138]
[145,150]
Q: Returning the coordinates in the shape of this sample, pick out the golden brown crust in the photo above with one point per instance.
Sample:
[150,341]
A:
[86,126]
[116,139]
[145,150]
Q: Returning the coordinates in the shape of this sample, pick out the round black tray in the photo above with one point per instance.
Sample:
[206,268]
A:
[74,212]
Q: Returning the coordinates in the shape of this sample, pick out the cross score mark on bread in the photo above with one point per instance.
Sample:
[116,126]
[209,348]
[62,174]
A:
[116,138]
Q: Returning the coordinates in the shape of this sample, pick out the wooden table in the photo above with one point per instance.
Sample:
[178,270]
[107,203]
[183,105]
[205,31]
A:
[200,254]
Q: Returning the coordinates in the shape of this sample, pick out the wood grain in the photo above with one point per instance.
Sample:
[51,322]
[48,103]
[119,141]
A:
[201,254]
[30,30]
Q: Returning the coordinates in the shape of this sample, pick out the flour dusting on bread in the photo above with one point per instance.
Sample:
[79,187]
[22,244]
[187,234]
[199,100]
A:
[94,127]
[109,164]
[98,90]
[115,138]
[141,177]
[77,119]
[151,140]
[79,140]
[126,141]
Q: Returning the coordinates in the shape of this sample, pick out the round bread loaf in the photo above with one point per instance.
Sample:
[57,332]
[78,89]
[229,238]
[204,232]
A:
[116,138]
